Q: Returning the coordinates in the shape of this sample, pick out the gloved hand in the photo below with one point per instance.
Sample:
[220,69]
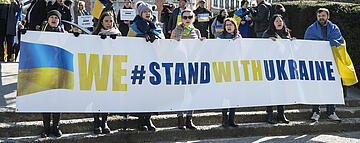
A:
[150,37]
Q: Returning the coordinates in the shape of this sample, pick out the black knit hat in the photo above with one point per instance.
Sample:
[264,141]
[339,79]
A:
[54,12]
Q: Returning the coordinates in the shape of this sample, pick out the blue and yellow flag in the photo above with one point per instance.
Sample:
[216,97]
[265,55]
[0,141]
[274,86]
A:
[44,67]
[98,8]
[338,46]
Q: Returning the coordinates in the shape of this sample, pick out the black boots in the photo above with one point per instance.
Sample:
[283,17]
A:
[225,121]
[100,126]
[232,121]
[56,119]
[46,121]
[189,123]
[280,115]
[181,123]
[228,121]
[145,123]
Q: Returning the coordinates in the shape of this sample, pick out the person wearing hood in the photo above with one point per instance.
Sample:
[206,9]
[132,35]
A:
[217,25]
[230,31]
[64,10]
[106,26]
[52,24]
[202,26]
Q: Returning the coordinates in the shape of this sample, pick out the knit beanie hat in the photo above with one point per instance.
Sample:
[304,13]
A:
[54,12]
[142,7]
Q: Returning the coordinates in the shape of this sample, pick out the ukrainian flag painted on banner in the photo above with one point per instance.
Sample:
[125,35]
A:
[338,46]
[44,67]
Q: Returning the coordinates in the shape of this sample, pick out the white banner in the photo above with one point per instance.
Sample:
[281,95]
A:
[127,14]
[89,74]
[85,21]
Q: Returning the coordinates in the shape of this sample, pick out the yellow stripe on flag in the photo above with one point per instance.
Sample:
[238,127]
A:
[41,79]
[344,65]
[97,10]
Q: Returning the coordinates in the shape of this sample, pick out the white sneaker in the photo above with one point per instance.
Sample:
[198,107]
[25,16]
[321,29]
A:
[315,117]
[334,117]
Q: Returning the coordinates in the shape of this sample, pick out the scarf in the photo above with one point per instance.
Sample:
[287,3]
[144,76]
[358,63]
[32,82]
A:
[109,31]
[187,30]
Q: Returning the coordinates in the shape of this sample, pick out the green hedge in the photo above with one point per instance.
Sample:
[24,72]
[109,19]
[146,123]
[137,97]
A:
[345,15]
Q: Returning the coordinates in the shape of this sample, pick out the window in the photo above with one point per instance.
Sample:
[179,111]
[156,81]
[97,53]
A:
[215,3]
[226,4]
[232,4]
[221,3]
[237,4]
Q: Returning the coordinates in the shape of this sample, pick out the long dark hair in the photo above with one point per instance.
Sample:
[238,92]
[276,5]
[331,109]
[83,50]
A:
[219,17]
[271,29]
[99,25]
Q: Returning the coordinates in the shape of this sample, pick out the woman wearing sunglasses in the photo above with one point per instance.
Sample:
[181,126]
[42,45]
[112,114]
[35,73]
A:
[186,30]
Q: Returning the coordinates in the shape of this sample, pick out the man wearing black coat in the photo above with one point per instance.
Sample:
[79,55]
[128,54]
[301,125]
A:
[36,14]
[262,17]
[202,26]
[175,17]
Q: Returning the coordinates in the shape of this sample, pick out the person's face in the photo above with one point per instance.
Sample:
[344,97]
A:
[229,27]
[107,22]
[246,5]
[187,18]
[224,13]
[322,18]
[81,7]
[59,1]
[202,4]
[182,4]
[127,3]
[146,14]
[278,23]
[53,21]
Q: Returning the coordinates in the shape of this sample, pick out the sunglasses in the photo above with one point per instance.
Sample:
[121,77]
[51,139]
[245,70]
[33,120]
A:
[187,17]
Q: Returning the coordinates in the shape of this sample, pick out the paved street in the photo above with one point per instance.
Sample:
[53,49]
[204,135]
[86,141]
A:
[348,137]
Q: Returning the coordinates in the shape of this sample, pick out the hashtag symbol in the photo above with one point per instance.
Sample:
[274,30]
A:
[138,75]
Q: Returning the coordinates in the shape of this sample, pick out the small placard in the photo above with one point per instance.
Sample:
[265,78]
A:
[203,17]
[85,21]
[127,14]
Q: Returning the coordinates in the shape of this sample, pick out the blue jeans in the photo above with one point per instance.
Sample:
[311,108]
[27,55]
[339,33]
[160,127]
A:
[330,109]
[188,113]
[231,111]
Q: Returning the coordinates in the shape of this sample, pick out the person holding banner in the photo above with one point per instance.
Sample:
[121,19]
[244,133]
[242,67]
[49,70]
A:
[52,24]
[186,30]
[124,24]
[202,19]
[230,31]
[143,25]
[106,26]
[64,10]
[323,29]
[217,25]
[277,30]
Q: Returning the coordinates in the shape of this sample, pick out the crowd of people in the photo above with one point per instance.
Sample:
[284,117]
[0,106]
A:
[178,23]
